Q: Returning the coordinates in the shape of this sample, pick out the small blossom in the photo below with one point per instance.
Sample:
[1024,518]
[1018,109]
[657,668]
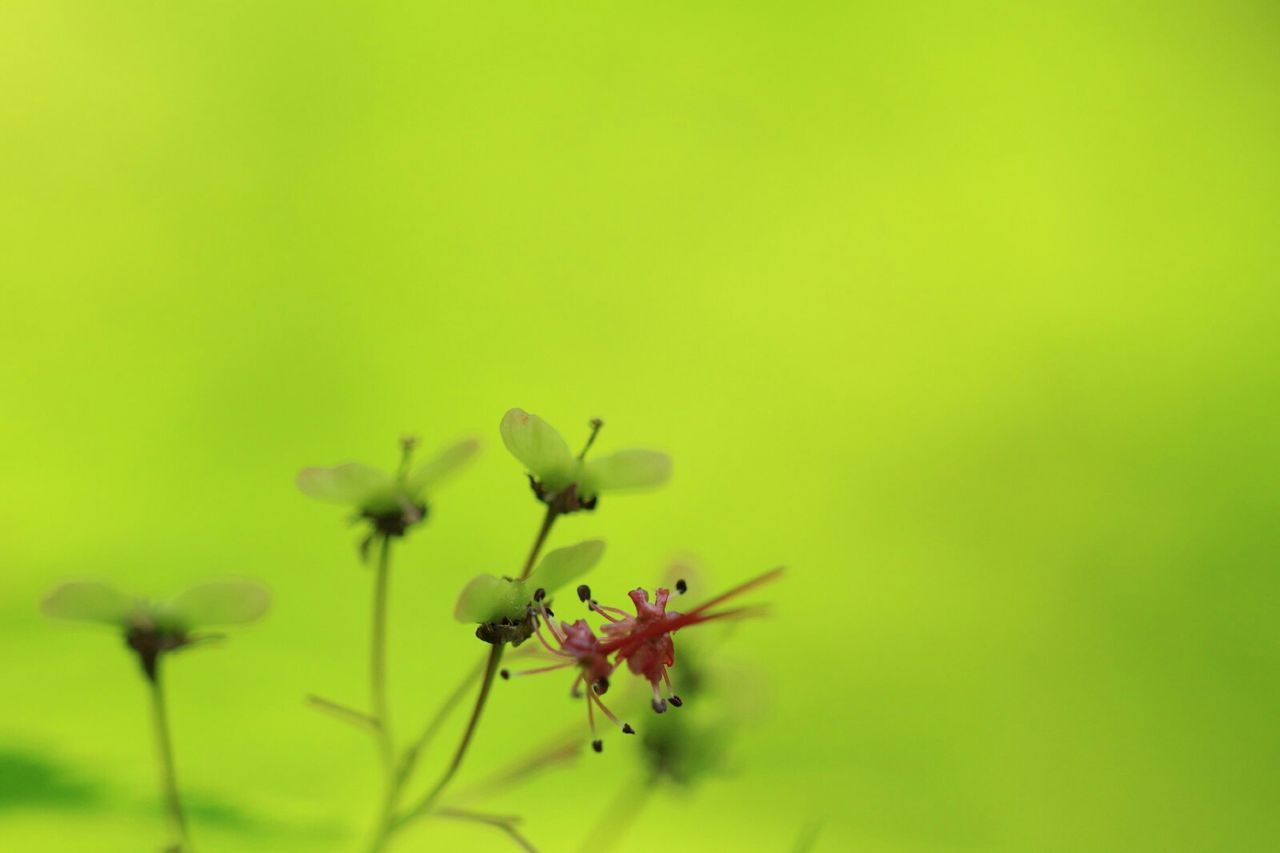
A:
[391,504]
[152,628]
[567,482]
[505,607]
[642,641]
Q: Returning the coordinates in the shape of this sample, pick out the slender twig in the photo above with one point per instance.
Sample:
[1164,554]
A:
[620,813]
[414,752]
[547,520]
[424,805]
[378,695]
[505,823]
[378,652]
[562,750]
[342,712]
[168,779]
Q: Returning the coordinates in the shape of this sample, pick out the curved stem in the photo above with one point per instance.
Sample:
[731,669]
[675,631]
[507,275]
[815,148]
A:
[378,694]
[503,822]
[414,752]
[621,812]
[424,805]
[378,651]
[547,520]
[168,779]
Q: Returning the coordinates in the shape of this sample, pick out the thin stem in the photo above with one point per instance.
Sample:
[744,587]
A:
[168,779]
[414,752]
[491,669]
[425,804]
[378,694]
[502,822]
[378,652]
[621,812]
[596,423]
[547,520]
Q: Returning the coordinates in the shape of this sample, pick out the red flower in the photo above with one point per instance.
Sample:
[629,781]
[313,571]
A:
[643,641]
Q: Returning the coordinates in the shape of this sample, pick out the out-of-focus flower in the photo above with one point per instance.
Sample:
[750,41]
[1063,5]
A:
[390,503]
[152,628]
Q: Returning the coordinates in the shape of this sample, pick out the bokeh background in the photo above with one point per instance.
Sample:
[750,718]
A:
[965,312]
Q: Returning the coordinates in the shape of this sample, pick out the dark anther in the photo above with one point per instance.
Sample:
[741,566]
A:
[601,686]
[584,592]
[681,586]
[505,673]
[550,612]
[597,745]
[660,706]
[677,701]
[539,594]
[627,730]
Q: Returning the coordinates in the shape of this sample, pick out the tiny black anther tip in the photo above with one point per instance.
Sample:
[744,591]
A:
[627,730]
[597,745]
[539,594]
[505,673]
[659,705]
[584,592]
[681,586]
[677,701]
[601,686]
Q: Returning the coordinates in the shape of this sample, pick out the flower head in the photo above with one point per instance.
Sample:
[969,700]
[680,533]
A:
[391,504]
[154,627]
[643,641]
[505,607]
[568,483]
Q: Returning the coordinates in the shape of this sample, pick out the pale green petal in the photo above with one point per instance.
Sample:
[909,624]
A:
[562,565]
[216,603]
[430,473]
[536,444]
[350,483]
[626,469]
[89,601]
[487,599]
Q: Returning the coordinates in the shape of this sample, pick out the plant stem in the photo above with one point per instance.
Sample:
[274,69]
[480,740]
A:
[424,805]
[378,691]
[378,650]
[414,752]
[491,669]
[502,822]
[547,520]
[168,779]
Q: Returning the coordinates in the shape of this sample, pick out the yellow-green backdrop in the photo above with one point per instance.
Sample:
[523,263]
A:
[965,312]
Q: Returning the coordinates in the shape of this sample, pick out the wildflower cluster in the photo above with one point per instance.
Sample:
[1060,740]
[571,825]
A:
[507,610]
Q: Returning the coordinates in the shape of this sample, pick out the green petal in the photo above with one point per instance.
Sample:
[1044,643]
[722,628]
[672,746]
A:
[536,444]
[487,598]
[89,601]
[626,469]
[427,475]
[216,603]
[562,565]
[351,483]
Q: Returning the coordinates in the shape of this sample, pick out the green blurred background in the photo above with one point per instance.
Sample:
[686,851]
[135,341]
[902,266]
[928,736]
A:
[965,312]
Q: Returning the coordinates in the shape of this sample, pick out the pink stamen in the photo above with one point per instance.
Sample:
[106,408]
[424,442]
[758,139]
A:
[541,669]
